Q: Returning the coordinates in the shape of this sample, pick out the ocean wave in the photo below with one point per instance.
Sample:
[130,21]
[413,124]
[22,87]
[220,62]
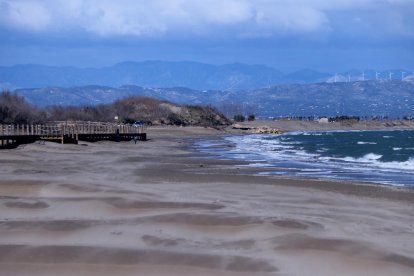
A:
[366,143]
[322,159]
[367,158]
[404,165]
[372,160]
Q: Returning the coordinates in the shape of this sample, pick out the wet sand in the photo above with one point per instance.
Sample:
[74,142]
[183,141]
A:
[157,208]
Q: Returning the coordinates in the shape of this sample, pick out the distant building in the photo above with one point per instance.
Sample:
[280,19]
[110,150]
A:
[323,120]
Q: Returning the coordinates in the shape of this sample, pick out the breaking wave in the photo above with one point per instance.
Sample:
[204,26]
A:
[368,156]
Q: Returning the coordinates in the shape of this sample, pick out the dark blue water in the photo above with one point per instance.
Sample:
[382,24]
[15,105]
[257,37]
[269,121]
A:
[385,157]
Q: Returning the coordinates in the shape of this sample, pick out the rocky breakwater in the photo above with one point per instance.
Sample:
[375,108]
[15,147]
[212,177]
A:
[257,130]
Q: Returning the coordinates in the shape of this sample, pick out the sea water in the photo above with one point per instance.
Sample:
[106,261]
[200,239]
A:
[385,157]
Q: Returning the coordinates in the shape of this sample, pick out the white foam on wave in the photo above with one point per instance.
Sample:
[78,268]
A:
[274,151]
[312,133]
[270,149]
[371,160]
[367,158]
[405,165]
[366,143]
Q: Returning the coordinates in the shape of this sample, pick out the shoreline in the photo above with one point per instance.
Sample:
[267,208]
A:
[158,208]
[265,166]
[370,189]
[305,126]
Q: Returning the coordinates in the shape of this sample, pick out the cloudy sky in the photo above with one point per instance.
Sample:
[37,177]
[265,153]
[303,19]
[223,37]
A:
[285,34]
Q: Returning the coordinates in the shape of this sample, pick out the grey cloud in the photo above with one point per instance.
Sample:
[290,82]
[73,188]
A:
[240,18]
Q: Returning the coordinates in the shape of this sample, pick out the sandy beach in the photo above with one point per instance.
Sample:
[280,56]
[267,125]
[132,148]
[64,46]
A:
[158,208]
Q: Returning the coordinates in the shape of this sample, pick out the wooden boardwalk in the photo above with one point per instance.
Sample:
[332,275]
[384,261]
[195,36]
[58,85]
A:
[13,135]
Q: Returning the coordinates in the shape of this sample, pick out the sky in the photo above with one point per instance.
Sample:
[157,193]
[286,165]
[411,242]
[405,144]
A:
[289,35]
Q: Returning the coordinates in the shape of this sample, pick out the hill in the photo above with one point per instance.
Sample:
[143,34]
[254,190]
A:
[194,75]
[362,98]
[148,74]
[15,110]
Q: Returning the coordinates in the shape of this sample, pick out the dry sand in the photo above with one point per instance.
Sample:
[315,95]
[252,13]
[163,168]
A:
[155,208]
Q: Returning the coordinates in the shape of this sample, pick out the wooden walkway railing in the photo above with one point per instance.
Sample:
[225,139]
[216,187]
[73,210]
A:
[68,132]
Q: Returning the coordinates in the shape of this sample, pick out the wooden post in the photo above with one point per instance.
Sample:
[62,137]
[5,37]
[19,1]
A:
[62,134]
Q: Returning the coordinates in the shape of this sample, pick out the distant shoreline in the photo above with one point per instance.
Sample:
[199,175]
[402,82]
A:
[302,125]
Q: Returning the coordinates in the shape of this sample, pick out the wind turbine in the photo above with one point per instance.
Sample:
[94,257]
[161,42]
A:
[391,75]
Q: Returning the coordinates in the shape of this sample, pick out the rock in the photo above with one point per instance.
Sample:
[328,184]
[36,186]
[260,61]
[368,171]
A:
[241,127]
[267,130]
[258,130]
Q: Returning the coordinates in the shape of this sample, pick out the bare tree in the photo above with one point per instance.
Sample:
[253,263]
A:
[15,110]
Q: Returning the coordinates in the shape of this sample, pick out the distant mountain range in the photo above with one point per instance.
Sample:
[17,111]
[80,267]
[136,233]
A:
[363,98]
[161,74]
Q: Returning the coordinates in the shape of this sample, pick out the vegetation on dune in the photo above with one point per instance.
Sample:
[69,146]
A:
[14,109]
[162,112]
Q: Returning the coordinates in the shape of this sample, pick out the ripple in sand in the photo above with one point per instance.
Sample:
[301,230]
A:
[347,247]
[77,188]
[27,205]
[156,241]
[132,204]
[50,225]
[296,224]
[120,256]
